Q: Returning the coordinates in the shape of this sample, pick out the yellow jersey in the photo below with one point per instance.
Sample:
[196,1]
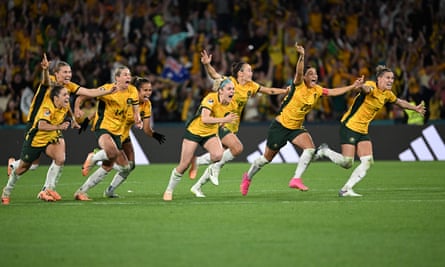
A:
[112,109]
[365,107]
[144,111]
[242,94]
[52,115]
[299,101]
[217,109]
[42,92]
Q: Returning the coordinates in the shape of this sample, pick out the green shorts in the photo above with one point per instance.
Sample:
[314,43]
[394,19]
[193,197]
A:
[348,136]
[201,140]
[116,138]
[223,131]
[278,135]
[30,153]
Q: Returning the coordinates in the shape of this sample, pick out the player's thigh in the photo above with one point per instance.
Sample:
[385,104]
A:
[128,150]
[232,142]
[56,151]
[303,140]
[214,147]
[364,148]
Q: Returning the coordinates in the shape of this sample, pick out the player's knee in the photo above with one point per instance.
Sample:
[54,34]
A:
[309,152]
[347,162]
[261,161]
[367,161]
[236,150]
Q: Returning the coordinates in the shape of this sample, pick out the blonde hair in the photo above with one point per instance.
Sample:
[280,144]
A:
[381,69]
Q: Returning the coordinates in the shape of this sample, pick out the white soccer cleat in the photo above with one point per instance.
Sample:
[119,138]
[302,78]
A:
[348,193]
[196,190]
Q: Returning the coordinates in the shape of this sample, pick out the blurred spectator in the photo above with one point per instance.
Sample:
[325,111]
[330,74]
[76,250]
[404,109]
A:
[162,39]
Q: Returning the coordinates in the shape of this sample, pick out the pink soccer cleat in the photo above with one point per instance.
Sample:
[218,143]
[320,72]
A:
[245,183]
[297,183]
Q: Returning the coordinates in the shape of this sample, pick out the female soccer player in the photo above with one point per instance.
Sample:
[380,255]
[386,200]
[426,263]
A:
[244,88]
[288,125]
[355,123]
[44,135]
[145,89]
[216,108]
[62,76]
[108,126]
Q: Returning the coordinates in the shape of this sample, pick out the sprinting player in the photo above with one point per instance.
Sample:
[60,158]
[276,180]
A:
[43,136]
[62,76]
[245,87]
[145,90]
[288,124]
[355,123]
[108,126]
[216,108]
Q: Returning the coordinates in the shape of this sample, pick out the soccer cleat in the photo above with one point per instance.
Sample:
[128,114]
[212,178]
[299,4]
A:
[196,190]
[54,194]
[214,173]
[193,171]
[110,194]
[43,195]
[168,196]
[5,200]
[297,183]
[319,153]
[348,193]
[88,164]
[10,165]
[81,196]
[245,183]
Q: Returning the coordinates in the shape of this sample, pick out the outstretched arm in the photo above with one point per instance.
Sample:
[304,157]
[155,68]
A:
[299,69]
[341,90]
[205,60]
[406,105]
[45,70]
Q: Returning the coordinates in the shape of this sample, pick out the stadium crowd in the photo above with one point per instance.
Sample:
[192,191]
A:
[162,40]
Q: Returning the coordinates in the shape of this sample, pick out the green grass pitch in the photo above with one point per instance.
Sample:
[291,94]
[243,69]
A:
[400,220]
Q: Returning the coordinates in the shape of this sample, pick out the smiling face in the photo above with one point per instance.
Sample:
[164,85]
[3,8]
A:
[245,73]
[61,97]
[145,91]
[63,74]
[311,77]
[385,80]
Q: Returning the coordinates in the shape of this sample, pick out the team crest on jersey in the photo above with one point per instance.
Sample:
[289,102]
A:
[47,113]
[210,101]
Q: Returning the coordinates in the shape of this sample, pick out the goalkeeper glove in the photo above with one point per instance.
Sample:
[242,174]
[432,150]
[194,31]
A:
[159,137]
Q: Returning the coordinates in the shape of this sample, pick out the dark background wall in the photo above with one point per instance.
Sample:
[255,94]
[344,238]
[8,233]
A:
[388,140]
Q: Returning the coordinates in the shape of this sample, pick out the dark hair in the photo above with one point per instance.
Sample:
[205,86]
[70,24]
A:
[381,69]
[138,81]
[55,91]
[237,66]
